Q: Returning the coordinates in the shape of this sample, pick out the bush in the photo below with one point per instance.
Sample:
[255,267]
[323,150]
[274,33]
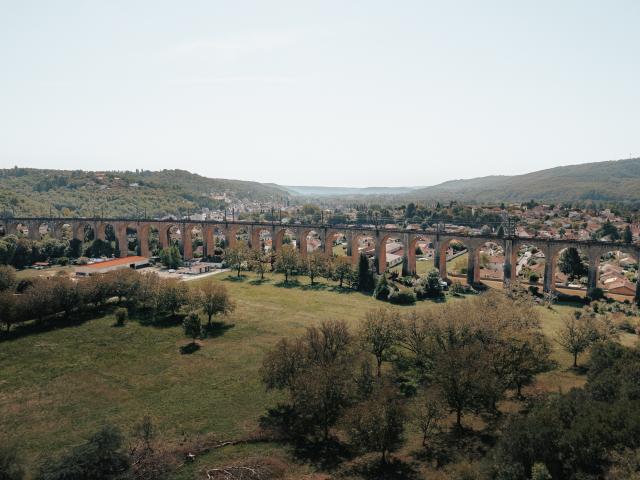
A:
[63,261]
[534,277]
[121,315]
[429,287]
[402,298]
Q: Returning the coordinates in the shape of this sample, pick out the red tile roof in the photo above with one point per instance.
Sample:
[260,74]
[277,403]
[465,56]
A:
[117,261]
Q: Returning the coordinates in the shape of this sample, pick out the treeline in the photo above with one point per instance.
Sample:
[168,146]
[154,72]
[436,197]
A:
[59,297]
[20,251]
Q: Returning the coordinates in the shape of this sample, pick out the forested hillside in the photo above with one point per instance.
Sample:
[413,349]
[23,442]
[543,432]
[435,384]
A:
[27,191]
[612,181]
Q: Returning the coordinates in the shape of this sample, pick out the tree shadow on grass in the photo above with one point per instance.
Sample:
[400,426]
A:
[281,424]
[343,289]
[289,284]
[164,321]
[235,278]
[323,455]
[314,287]
[53,322]
[259,281]
[189,348]
[216,329]
[446,447]
[371,468]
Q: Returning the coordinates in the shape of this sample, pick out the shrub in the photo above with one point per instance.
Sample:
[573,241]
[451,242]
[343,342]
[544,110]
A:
[121,315]
[63,261]
[430,286]
[402,298]
[457,288]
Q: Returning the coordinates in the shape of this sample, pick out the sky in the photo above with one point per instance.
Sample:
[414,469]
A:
[336,93]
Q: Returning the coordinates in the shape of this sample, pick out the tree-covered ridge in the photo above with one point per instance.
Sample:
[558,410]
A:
[29,191]
[612,181]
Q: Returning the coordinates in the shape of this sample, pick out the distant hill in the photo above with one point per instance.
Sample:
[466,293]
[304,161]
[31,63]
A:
[29,191]
[616,180]
[341,191]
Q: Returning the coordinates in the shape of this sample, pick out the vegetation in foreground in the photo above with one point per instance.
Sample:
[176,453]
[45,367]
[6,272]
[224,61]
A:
[97,374]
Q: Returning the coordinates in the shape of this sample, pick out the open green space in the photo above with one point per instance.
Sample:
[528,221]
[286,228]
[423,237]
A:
[59,386]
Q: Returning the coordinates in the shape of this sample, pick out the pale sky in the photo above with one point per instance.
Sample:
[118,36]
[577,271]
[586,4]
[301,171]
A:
[344,93]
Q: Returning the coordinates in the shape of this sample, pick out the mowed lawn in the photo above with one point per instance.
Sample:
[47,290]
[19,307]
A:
[59,386]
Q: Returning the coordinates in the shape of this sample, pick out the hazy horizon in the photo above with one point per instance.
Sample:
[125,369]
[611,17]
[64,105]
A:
[351,95]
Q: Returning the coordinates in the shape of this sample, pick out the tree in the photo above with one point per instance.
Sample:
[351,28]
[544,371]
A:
[314,264]
[100,458]
[427,412]
[258,262]
[170,257]
[520,355]
[215,300]
[236,256]
[571,263]
[365,275]
[173,295]
[608,229]
[379,333]
[342,268]
[192,327]
[286,261]
[627,235]
[75,248]
[7,277]
[99,248]
[382,289]
[377,423]
[462,371]
[316,370]
[576,335]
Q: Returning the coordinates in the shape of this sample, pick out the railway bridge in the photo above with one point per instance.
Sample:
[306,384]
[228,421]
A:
[33,227]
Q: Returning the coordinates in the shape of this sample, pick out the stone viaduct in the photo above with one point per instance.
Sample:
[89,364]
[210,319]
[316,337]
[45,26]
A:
[327,233]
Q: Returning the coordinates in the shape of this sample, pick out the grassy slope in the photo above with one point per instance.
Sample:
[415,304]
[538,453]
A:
[59,386]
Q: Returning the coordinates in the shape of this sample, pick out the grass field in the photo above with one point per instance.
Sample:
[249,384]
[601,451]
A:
[57,387]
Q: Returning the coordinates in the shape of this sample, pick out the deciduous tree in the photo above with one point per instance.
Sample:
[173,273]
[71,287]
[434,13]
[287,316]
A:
[215,300]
